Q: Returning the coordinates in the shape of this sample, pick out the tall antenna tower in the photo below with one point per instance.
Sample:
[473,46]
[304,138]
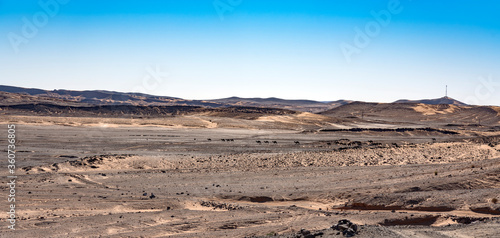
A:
[446,92]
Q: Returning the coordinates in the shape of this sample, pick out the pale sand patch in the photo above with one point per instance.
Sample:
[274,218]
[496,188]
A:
[304,118]
[428,110]
[312,116]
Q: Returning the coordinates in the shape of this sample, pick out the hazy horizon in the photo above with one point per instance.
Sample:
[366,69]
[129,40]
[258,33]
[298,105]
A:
[378,51]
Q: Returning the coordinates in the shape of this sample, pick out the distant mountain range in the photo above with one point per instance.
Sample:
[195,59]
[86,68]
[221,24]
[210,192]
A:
[10,95]
[102,97]
[442,112]
[296,105]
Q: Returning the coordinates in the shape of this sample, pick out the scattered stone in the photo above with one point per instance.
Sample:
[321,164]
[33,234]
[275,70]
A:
[347,228]
[224,206]
[304,232]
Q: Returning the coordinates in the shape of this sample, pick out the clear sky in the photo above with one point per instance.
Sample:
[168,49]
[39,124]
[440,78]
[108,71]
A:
[204,49]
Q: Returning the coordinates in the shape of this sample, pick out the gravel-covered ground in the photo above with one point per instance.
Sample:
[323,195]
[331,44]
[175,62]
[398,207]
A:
[140,181]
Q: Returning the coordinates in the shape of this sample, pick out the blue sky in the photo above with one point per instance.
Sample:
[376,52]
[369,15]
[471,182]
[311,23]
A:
[256,48]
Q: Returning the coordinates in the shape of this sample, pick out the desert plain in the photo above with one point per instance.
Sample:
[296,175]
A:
[395,170]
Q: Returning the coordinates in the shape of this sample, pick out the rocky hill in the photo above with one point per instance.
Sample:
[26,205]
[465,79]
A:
[437,101]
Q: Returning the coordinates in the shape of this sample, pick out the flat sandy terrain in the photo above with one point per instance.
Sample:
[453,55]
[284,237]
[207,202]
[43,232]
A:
[209,177]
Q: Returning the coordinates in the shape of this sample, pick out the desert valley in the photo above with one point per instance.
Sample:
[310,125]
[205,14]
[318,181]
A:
[110,164]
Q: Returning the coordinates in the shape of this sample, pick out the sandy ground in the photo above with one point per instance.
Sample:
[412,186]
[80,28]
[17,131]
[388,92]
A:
[98,178]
